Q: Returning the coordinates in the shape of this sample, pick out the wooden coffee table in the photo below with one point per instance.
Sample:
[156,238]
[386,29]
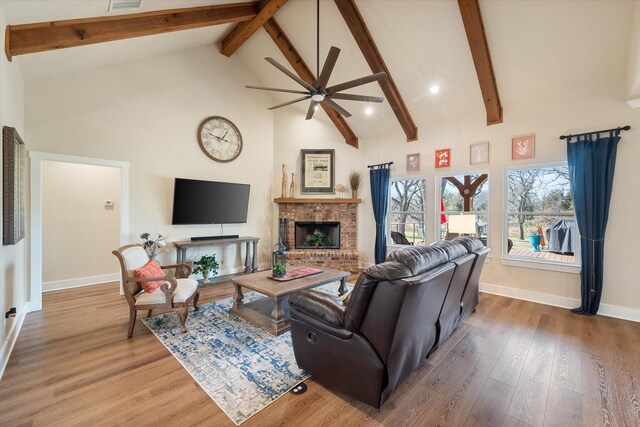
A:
[272,313]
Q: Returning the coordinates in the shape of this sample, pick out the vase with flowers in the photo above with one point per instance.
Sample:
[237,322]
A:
[354,181]
[153,245]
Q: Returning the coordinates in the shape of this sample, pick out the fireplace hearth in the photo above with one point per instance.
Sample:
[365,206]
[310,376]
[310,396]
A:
[317,235]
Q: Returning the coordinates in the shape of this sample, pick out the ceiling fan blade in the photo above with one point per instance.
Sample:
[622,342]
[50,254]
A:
[289,102]
[278,90]
[312,109]
[327,68]
[290,74]
[357,82]
[338,109]
[351,97]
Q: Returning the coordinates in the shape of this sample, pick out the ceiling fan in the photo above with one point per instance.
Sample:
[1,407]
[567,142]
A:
[318,92]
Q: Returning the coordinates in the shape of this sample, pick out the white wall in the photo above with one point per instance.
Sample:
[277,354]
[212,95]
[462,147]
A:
[14,287]
[591,108]
[78,231]
[147,112]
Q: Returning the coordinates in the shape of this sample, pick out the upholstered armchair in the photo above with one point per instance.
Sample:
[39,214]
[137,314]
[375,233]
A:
[176,292]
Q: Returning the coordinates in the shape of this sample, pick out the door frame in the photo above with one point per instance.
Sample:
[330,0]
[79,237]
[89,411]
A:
[37,158]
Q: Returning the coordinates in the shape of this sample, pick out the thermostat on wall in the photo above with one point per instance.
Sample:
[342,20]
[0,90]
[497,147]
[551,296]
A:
[108,204]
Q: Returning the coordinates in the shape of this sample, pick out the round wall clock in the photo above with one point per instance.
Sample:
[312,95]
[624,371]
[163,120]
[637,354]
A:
[220,139]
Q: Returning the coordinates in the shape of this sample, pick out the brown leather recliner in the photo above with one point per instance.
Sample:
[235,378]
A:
[469,299]
[450,313]
[366,348]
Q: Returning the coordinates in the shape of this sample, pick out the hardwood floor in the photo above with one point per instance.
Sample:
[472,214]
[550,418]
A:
[514,363]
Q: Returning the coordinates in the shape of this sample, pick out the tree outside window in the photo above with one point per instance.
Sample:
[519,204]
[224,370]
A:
[540,204]
[406,211]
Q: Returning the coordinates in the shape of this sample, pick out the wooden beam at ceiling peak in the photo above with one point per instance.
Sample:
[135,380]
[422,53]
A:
[291,54]
[244,30]
[43,36]
[363,38]
[473,26]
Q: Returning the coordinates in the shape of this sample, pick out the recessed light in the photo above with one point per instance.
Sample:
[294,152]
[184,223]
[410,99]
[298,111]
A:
[434,89]
[368,111]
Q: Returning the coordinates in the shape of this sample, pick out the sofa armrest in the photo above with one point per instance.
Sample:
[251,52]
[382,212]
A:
[320,306]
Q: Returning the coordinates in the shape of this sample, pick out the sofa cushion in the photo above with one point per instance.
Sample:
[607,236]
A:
[184,290]
[150,269]
[409,261]
[470,243]
[452,249]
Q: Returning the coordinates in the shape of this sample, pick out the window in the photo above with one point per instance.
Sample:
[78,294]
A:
[540,220]
[406,211]
[464,195]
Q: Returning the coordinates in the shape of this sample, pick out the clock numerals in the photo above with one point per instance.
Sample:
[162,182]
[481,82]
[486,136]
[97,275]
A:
[220,139]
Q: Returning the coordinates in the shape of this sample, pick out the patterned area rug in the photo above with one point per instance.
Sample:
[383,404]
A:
[240,366]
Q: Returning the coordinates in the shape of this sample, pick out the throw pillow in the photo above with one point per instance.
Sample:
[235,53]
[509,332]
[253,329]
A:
[150,269]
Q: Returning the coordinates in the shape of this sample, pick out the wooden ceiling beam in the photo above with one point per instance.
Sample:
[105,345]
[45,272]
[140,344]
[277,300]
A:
[43,36]
[473,26]
[244,30]
[291,54]
[363,38]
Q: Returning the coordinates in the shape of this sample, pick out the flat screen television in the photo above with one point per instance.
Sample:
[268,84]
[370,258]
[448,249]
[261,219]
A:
[209,202]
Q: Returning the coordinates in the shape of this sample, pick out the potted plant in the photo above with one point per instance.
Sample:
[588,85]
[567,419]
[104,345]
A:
[534,238]
[354,181]
[316,239]
[206,265]
[278,270]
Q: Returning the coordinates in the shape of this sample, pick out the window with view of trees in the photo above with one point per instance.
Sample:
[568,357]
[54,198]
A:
[540,219]
[464,194]
[406,211]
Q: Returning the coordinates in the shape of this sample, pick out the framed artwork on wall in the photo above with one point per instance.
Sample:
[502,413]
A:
[413,162]
[443,158]
[479,153]
[318,172]
[523,147]
[13,192]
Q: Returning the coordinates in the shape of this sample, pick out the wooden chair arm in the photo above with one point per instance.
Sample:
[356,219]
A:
[182,270]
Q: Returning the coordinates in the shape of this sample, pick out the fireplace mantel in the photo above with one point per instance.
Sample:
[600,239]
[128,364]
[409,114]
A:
[333,200]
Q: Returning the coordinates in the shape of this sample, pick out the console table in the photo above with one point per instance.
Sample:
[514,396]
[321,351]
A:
[251,257]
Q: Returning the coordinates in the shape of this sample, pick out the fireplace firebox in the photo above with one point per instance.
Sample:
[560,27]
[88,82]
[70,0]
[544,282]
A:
[317,235]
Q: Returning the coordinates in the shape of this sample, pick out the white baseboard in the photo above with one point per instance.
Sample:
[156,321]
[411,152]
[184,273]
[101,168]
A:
[81,281]
[608,310]
[10,340]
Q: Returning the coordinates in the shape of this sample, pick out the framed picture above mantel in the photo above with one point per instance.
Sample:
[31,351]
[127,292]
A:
[318,172]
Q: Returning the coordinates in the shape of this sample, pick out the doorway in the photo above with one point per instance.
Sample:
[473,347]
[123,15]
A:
[58,169]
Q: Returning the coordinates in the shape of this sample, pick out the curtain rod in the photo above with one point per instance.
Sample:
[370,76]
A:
[627,127]
[380,164]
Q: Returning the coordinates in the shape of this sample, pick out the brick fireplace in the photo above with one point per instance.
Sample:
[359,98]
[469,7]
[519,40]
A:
[325,216]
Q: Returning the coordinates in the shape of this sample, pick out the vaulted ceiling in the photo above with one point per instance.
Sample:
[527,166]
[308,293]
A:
[537,48]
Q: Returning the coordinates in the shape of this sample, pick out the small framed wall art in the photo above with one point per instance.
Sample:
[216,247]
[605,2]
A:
[413,162]
[318,171]
[523,147]
[479,153]
[443,158]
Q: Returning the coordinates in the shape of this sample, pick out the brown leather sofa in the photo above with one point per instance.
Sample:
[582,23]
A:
[469,299]
[395,317]
[450,312]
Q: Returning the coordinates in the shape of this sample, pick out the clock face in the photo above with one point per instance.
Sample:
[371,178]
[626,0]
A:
[220,139]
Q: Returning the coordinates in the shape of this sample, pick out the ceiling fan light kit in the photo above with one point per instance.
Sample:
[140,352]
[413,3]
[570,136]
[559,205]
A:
[318,92]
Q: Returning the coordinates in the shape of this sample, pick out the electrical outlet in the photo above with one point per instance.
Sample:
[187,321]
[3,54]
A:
[11,313]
